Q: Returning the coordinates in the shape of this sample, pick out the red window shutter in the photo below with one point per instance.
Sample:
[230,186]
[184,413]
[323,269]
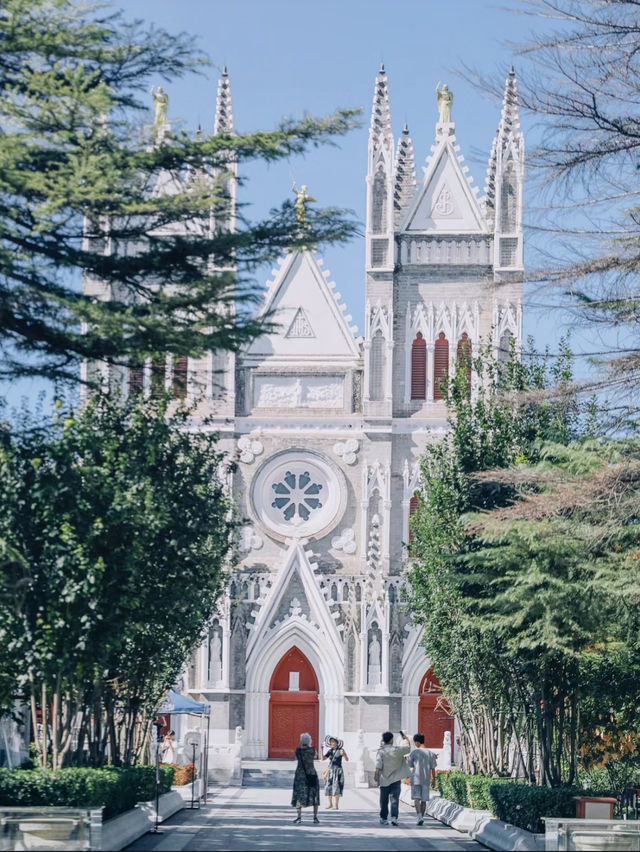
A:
[180,370]
[136,378]
[413,508]
[157,377]
[464,358]
[419,368]
[440,365]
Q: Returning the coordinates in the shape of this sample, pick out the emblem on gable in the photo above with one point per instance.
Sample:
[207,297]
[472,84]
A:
[443,205]
[300,326]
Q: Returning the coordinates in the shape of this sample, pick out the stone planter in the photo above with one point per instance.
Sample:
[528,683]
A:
[485,828]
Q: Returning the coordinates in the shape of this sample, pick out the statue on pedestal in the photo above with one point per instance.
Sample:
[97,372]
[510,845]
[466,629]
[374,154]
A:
[374,672]
[445,102]
[302,199]
[160,105]
[215,658]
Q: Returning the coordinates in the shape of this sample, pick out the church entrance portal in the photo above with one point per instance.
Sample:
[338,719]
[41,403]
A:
[293,704]
[434,716]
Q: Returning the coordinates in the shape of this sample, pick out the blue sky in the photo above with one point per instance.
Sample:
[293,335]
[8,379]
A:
[288,56]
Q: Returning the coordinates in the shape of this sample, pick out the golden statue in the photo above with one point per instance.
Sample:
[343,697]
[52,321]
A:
[302,199]
[445,102]
[160,104]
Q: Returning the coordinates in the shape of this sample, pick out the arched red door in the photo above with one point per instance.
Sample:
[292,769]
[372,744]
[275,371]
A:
[293,704]
[434,716]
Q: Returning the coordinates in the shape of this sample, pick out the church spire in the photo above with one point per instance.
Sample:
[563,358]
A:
[508,135]
[223,122]
[405,175]
[380,130]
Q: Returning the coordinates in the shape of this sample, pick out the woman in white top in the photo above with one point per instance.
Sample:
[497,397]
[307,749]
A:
[422,762]
[169,753]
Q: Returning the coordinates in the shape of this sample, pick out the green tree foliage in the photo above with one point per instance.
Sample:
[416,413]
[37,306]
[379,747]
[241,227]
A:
[84,188]
[121,528]
[519,542]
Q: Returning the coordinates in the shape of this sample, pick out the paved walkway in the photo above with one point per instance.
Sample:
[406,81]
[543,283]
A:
[260,818]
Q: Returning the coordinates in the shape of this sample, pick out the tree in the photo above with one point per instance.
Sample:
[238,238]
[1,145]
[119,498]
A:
[121,531]
[80,192]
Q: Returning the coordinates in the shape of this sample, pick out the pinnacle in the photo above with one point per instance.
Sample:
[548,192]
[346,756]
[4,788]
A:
[223,122]
[405,175]
[381,113]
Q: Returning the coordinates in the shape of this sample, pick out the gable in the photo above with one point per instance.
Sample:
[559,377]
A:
[310,322]
[444,202]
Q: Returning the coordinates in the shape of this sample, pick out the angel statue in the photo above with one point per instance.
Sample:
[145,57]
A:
[302,199]
[160,105]
[445,102]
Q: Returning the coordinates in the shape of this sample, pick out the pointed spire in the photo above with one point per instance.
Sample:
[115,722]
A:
[381,112]
[224,108]
[508,132]
[405,175]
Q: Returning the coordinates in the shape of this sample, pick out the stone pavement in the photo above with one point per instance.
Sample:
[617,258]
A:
[257,818]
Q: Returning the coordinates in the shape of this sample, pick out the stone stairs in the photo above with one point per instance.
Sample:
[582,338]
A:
[268,773]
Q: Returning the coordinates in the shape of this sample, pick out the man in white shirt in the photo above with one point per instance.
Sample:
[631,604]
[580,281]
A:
[421,762]
[391,768]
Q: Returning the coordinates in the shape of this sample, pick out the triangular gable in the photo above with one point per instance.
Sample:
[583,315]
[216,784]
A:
[296,574]
[299,292]
[445,201]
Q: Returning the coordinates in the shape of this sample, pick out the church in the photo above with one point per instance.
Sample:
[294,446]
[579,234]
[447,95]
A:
[327,428]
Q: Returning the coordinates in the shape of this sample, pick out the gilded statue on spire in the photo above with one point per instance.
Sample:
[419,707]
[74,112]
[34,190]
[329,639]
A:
[445,102]
[302,199]
[160,105]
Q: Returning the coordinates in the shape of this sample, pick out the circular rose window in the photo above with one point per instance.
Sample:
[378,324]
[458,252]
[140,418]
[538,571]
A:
[297,494]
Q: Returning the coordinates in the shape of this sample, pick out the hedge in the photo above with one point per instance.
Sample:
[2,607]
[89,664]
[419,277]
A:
[115,790]
[512,801]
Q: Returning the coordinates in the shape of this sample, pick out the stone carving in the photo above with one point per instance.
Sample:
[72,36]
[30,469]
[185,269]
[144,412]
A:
[445,757]
[302,199]
[347,450]
[215,657]
[297,496]
[374,677]
[443,205]
[300,326]
[249,449]
[295,609]
[250,539]
[160,106]
[299,391]
[345,541]
[445,102]
[362,779]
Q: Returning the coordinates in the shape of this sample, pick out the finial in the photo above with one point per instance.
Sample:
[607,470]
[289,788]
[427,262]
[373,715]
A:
[405,129]
[224,71]
[512,71]
[382,71]
[224,109]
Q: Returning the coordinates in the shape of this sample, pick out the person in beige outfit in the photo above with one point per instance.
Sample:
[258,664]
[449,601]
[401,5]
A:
[391,768]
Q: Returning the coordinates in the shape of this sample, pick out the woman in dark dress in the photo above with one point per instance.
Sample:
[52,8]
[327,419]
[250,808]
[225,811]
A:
[334,779]
[306,789]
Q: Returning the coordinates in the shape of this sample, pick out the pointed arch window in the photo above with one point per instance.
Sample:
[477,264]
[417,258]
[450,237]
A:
[464,358]
[419,368]
[377,364]
[440,366]
[379,203]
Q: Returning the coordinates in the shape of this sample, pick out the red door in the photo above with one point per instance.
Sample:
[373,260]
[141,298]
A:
[293,704]
[434,716]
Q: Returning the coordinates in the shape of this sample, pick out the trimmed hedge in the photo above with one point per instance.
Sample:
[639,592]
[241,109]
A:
[510,800]
[115,790]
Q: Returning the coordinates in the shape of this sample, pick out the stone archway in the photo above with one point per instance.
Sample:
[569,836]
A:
[293,704]
[434,715]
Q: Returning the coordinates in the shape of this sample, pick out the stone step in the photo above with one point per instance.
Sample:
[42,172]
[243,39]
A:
[267,777]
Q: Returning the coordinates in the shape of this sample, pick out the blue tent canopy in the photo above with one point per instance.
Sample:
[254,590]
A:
[176,703]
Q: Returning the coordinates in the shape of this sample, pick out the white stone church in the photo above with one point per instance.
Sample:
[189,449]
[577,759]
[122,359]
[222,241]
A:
[327,427]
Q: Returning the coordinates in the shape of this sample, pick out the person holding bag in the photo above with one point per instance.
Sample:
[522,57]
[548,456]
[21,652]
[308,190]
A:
[306,788]
[334,774]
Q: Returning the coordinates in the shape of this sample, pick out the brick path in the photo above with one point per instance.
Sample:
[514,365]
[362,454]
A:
[260,818]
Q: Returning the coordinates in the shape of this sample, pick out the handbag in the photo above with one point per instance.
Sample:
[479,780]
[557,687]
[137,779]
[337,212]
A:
[325,774]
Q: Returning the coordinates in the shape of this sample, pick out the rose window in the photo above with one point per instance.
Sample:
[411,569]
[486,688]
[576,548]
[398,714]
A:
[297,496]
[298,493]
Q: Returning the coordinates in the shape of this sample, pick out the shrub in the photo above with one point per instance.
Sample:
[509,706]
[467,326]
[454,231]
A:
[183,774]
[524,806]
[115,790]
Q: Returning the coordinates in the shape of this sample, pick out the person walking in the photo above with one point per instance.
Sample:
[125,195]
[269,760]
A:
[306,789]
[334,774]
[391,768]
[421,762]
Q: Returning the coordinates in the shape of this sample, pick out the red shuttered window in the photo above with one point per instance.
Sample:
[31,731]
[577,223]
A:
[419,368]
[464,358]
[440,365]
[180,367]
[136,378]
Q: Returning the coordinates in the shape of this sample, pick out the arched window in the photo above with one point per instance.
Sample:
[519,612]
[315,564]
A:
[379,203]
[180,369]
[377,364]
[464,358]
[440,365]
[419,368]
[508,203]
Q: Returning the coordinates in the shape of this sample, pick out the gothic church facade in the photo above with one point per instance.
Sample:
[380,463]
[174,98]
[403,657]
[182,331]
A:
[327,428]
